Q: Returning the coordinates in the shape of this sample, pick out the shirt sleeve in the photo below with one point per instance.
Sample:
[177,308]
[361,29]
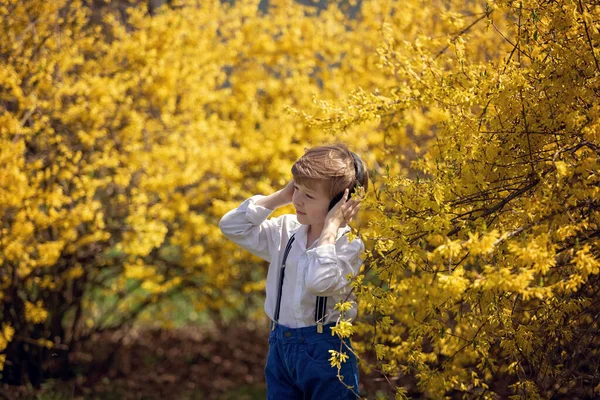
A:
[248,227]
[329,266]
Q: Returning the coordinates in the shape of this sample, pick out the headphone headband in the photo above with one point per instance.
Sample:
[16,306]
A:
[358,168]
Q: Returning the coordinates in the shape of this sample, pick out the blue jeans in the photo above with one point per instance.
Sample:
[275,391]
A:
[298,365]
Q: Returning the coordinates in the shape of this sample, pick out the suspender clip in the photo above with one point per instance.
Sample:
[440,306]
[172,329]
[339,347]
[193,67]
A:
[319,327]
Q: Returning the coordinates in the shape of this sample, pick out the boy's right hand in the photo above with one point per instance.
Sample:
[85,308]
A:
[287,193]
[279,198]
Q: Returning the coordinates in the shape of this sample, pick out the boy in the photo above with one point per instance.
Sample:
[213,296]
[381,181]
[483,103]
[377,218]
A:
[310,259]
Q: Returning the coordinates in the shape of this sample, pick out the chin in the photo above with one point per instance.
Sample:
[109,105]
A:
[302,219]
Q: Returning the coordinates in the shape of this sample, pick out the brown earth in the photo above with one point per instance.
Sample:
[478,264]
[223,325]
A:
[189,363]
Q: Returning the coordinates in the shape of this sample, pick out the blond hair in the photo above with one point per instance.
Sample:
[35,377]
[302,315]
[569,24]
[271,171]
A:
[332,166]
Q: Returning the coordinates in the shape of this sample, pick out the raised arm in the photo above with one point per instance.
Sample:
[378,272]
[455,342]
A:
[248,226]
[278,199]
[329,266]
[332,261]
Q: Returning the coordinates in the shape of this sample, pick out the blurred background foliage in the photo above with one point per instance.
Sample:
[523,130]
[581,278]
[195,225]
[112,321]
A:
[128,129]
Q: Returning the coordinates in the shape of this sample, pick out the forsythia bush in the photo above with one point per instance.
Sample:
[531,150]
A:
[482,275]
[124,137]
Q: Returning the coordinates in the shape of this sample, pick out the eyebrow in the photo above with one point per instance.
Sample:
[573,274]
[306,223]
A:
[308,190]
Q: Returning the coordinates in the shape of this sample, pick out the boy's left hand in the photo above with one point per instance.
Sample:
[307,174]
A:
[343,212]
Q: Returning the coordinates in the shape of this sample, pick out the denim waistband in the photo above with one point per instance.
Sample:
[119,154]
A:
[299,335]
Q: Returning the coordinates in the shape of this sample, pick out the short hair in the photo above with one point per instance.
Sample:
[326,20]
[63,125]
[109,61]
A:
[331,166]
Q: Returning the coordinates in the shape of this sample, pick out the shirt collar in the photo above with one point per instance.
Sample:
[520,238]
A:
[301,232]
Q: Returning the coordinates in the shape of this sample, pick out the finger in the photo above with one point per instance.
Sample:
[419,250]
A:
[353,211]
[351,204]
[350,216]
[349,209]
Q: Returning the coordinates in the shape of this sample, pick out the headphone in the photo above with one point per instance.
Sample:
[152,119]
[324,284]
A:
[359,173]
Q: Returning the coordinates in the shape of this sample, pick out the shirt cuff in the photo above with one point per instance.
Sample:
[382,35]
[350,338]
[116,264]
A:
[257,214]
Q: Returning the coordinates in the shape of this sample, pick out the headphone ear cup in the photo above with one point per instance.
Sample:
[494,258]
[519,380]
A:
[340,195]
[358,170]
[335,200]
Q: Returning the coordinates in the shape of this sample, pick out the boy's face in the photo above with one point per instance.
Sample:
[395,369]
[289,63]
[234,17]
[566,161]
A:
[312,204]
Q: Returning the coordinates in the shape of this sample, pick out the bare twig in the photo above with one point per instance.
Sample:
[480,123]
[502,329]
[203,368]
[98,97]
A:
[589,39]
[462,32]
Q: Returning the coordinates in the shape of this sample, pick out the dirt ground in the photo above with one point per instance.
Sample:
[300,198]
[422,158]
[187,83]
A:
[190,363]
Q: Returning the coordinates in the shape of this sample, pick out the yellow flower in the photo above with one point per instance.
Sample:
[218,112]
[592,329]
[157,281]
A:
[35,313]
[337,358]
[343,329]
[345,306]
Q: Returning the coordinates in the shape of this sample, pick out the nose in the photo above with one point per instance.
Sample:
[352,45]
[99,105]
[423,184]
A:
[296,198]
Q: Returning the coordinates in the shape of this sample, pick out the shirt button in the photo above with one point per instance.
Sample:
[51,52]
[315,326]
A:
[287,334]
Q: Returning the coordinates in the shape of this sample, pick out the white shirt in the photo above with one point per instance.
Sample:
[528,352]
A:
[316,271]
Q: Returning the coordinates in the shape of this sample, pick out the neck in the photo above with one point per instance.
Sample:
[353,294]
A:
[313,233]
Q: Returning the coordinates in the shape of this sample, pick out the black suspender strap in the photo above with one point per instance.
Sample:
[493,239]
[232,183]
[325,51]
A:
[321,304]
[320,309]
[281,275]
